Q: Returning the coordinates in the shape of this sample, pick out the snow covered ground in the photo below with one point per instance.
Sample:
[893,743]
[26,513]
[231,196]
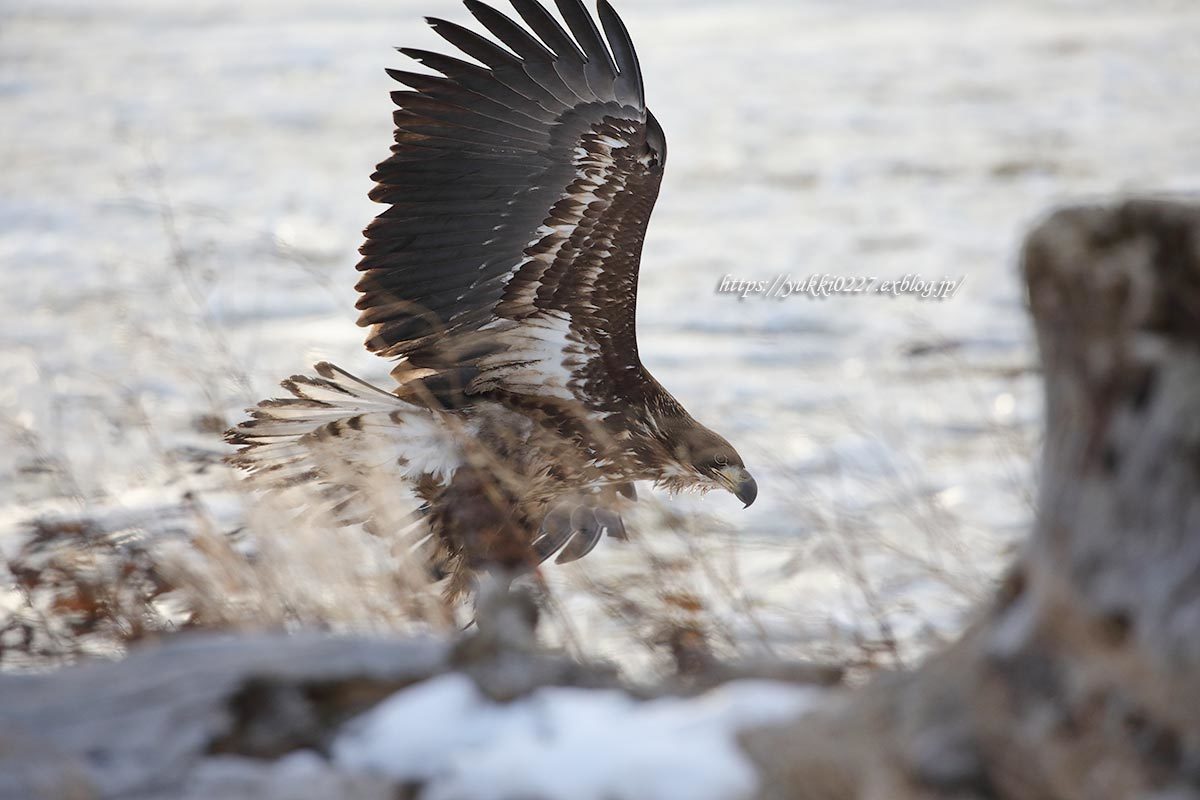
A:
[182,188]
[566,742]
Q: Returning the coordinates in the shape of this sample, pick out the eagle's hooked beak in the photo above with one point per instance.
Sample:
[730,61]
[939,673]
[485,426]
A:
[738,481]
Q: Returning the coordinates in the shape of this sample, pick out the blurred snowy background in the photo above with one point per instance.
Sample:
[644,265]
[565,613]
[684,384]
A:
[183,186]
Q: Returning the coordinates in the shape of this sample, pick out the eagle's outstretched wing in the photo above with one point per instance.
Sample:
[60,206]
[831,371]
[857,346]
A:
[519,196]
[503,277]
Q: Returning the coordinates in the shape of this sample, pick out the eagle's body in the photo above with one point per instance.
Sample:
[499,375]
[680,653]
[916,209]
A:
[503,279]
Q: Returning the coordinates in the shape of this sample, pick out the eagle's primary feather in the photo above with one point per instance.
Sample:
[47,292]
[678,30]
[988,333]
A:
[502,278]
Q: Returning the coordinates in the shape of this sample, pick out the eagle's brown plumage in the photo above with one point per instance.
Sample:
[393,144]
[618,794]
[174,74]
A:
[502,277]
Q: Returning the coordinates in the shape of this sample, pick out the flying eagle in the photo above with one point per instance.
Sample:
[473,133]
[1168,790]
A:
[502,278]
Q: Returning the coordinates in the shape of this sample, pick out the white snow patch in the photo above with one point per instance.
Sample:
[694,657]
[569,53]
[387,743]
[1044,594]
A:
[567,743]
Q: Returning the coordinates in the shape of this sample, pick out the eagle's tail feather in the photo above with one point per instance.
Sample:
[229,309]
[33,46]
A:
[319,429]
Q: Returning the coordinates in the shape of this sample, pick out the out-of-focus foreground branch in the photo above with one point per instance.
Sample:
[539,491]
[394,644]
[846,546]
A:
[1081,680]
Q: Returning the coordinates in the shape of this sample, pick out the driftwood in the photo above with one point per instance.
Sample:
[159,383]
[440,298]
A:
[208,715]
[145,727]
[1081,680]
[253,715]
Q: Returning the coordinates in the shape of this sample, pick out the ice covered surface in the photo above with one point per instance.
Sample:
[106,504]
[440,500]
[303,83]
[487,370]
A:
[182,188]
[573,744]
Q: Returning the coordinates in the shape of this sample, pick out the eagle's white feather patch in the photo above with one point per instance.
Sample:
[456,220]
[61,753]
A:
[429,447]
[534,361]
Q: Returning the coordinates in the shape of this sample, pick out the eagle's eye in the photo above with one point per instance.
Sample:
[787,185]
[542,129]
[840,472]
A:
[714,463]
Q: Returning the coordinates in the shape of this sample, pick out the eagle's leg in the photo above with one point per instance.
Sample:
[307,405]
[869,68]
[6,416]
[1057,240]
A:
[485,528]
[483,522]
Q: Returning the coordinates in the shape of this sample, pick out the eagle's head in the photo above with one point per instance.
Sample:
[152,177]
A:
[707,461]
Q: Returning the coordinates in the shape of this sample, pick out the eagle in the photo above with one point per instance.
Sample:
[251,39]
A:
[502,280]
